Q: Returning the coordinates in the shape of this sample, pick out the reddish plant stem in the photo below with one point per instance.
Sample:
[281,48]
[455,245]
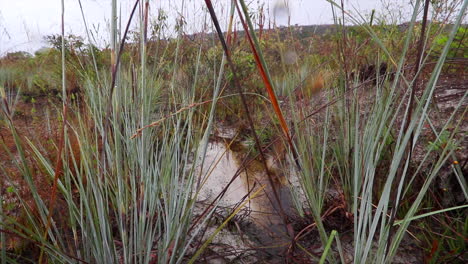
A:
[266,81]
[236,83]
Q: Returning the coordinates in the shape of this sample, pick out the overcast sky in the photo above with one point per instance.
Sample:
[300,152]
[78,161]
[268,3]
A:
[24,23]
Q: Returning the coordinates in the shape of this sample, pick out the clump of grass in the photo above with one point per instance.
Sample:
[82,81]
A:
[360,142]
[119,198]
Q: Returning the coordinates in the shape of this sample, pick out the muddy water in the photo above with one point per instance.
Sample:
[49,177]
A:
[267,226]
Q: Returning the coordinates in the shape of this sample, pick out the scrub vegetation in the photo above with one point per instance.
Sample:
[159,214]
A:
[363,124]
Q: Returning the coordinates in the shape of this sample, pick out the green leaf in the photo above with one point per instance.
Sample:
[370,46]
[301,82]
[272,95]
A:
[10,189]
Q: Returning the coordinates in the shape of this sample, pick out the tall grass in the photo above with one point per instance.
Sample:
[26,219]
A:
[121,199]
[360,148]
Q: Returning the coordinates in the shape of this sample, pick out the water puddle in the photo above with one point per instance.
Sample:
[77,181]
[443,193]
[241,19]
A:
[266,224]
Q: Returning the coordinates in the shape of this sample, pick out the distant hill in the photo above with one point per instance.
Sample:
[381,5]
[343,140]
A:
[302,31]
